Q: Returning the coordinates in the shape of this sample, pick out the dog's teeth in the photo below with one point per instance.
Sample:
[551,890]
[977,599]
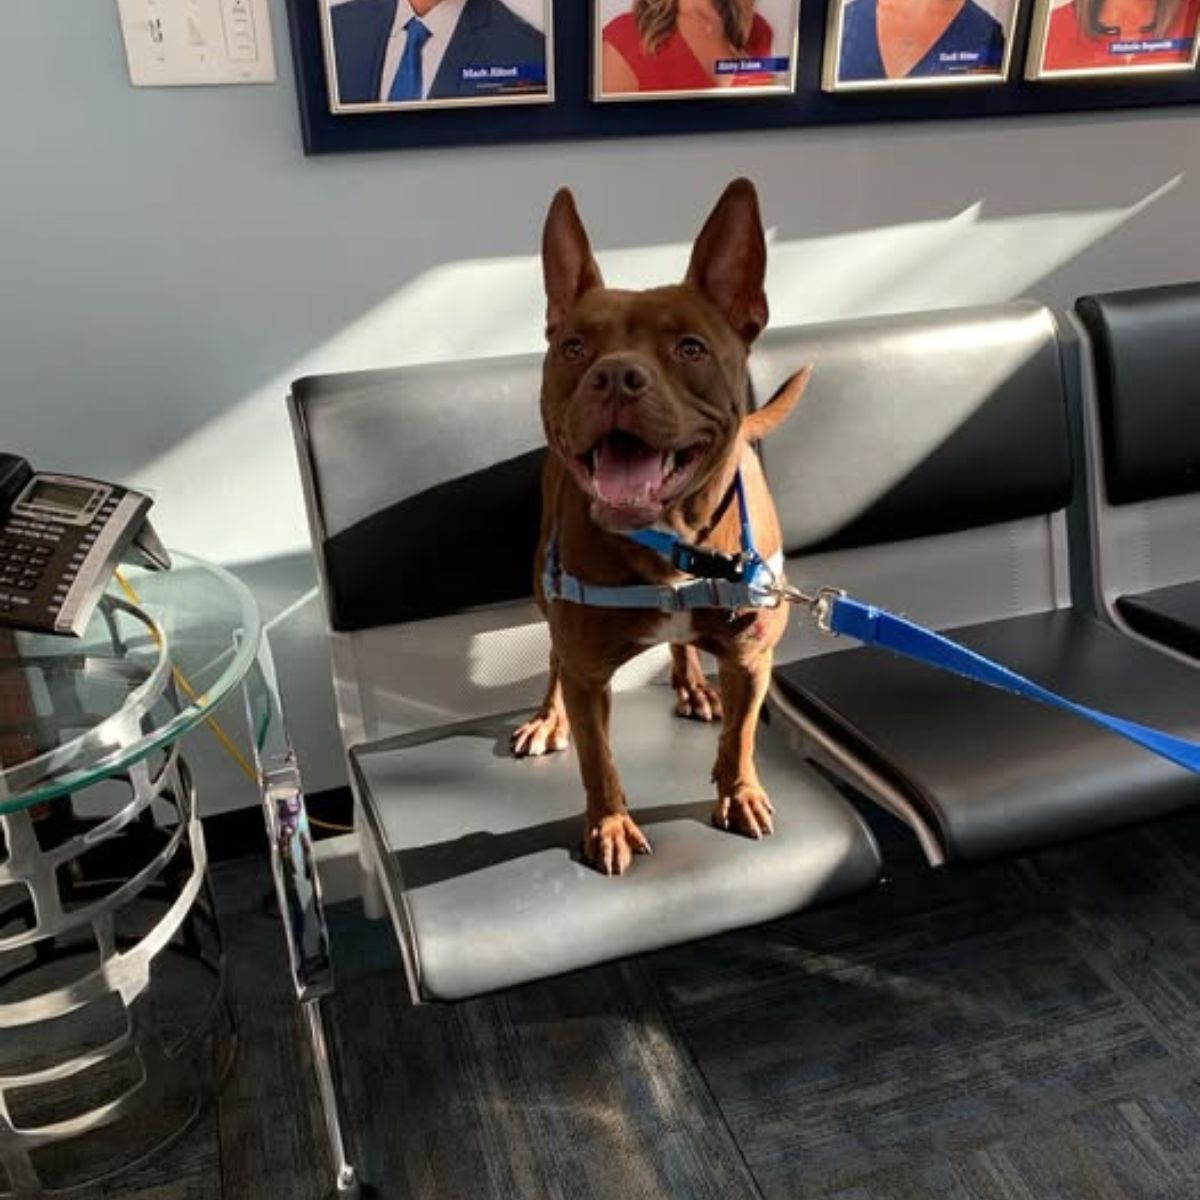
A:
[668,462]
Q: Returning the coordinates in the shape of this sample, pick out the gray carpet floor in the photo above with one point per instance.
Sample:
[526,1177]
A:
[1022,1031]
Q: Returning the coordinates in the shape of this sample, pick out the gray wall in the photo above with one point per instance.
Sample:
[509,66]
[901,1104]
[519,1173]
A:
[170,261]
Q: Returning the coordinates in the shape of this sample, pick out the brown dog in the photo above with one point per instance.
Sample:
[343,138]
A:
[644,407]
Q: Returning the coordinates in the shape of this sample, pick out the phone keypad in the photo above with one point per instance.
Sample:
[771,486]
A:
[31,567]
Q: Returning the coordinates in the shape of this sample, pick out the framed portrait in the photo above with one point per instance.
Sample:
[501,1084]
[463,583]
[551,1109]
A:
[898,44]
[716,49]
[408,55]
[1089,38]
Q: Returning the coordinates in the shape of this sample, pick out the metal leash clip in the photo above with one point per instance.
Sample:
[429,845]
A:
[709,564]
[819,605]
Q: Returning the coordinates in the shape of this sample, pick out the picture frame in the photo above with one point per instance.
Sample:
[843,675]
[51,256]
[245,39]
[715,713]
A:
[625,69]
[471,54]
[975,49]
[1067,41]
[574,117]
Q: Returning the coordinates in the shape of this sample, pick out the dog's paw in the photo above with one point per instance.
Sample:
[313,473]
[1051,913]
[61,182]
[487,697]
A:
[541,734]
[611,843]
[745,809]
[698,701]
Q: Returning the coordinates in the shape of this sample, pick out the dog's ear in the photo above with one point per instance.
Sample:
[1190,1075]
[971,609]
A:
[567,263]
[729,260]
[767,419]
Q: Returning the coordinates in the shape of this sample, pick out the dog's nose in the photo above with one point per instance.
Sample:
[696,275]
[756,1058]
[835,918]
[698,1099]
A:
[618,379]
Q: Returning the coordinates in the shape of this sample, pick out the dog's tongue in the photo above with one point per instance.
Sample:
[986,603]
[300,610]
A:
[626,469]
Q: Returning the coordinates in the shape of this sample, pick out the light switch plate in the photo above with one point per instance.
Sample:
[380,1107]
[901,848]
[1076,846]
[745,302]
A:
[175,43]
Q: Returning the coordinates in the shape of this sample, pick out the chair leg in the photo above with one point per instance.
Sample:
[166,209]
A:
[371,890]
[346,1178]
[298,889]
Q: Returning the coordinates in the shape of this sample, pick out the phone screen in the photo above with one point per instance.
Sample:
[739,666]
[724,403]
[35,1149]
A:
[62,497]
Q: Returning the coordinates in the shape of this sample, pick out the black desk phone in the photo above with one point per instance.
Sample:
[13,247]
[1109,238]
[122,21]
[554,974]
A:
[60,539]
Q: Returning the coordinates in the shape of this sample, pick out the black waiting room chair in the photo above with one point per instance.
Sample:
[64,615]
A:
[928,470]
[423,501]
[1141,399]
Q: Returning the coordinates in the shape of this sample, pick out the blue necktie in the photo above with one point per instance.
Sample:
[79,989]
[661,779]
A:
[408,84]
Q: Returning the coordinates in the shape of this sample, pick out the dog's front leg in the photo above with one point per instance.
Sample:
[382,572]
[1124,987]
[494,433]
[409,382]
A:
[742,804]
[610,837]
[548,729]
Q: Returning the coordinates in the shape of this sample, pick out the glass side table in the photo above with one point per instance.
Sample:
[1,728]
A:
[114,1024]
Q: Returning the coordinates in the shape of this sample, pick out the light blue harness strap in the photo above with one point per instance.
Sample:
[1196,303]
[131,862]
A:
[878,627]
[665,597]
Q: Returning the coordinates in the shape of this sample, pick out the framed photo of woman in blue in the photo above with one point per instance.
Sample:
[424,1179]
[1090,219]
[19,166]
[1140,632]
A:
[384,55]
[917,43]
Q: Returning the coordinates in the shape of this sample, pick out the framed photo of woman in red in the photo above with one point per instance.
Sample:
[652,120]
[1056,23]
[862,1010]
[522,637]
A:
[680,49]
[1088,38]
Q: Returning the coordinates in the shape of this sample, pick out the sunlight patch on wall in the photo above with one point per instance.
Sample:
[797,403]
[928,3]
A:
[231,490]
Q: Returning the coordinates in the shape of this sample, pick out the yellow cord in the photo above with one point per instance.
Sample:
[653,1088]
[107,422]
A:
[329,826]
[214,724]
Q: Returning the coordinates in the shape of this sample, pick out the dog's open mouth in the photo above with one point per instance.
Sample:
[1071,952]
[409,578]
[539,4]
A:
[632,480]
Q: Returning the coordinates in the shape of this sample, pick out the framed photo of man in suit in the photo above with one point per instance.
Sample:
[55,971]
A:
[384,55]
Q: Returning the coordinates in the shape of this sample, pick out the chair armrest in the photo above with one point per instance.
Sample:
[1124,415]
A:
[297,885]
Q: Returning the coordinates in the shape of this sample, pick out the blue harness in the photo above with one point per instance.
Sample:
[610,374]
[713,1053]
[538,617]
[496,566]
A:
[728,581]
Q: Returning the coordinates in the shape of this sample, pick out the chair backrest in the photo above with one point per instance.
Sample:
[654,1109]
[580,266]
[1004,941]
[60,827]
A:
[421,485]
[927,466]
[1141,398]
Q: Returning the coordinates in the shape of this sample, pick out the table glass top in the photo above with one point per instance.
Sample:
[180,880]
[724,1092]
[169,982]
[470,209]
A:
[153,662]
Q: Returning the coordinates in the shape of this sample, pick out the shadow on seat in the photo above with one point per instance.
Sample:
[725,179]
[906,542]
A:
[482,861]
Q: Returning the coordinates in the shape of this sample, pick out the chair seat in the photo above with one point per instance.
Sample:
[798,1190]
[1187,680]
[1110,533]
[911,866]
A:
[481,850]
[1170,615]
[997,774]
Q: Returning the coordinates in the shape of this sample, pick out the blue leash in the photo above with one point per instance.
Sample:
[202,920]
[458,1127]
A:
[745,580]
[837,613]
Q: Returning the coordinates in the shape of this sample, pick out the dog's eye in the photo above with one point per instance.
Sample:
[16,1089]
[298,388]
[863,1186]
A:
[691,349]
[572,348]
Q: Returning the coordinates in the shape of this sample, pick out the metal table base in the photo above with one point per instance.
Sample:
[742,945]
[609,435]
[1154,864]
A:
[114,1025]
